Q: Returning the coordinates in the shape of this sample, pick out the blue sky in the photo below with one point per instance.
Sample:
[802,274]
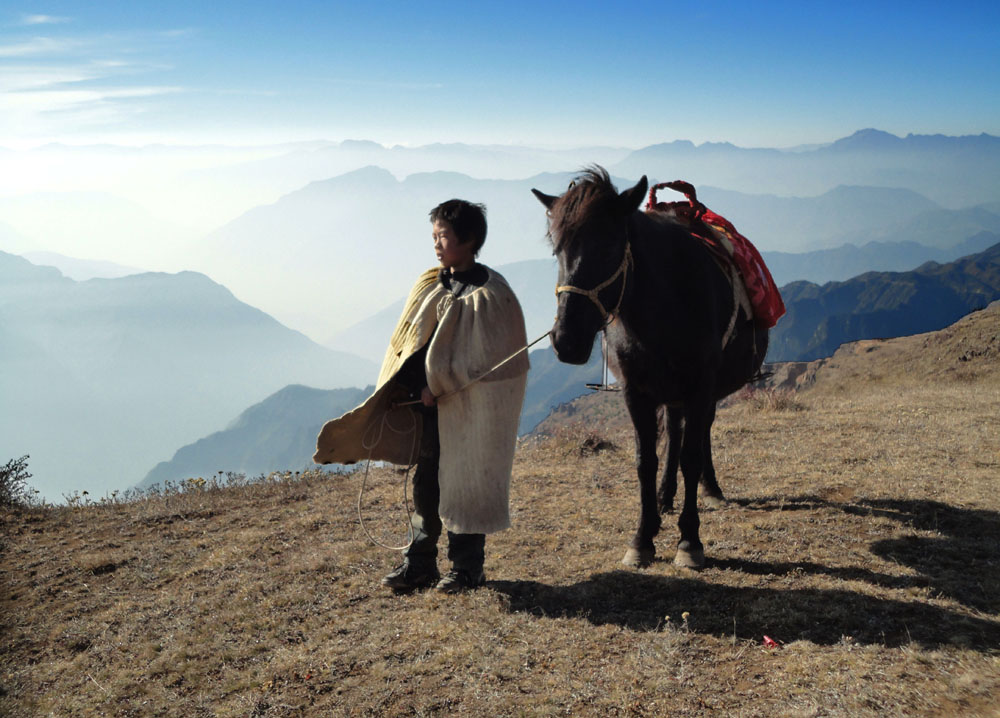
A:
[552,74]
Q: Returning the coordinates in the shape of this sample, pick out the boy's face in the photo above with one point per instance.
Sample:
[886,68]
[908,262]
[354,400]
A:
[451,253]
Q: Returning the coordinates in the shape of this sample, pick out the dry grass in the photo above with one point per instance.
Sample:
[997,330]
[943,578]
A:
[862,532]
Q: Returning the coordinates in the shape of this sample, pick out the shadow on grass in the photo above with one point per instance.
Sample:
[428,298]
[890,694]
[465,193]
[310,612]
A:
[640,602]
[962,563]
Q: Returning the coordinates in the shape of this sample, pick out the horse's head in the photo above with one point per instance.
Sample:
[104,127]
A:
[588,228]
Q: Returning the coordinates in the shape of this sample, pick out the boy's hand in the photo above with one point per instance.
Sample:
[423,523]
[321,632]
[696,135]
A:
[427,397]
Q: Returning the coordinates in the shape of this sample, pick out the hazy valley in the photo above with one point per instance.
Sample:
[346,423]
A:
[117,372]
[301,231]
[102,379]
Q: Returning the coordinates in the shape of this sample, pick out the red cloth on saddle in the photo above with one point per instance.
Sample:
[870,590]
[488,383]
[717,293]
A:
[765,298]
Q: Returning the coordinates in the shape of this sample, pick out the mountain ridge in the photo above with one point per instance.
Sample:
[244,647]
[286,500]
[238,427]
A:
[113,373]
[882,304]
[275,434]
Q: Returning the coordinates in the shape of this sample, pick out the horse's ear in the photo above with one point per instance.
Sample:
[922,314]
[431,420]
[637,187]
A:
[546,199]
[629,200]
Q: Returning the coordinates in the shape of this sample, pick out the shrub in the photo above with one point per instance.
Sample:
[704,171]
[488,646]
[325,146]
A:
[595,444]
[14,489]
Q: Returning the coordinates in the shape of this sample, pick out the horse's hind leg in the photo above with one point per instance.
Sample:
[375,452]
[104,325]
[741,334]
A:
[711,492]
[643,412]
[690,552]
[668,481]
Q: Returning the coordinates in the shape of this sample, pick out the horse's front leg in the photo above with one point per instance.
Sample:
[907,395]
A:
[643,412]
[697,423]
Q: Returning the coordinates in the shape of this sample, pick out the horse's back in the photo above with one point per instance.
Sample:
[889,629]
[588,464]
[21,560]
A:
[708,299]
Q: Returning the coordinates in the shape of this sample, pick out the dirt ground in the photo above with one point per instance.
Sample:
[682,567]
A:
[853,571]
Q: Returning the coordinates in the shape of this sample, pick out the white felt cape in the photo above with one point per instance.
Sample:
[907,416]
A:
[477,424]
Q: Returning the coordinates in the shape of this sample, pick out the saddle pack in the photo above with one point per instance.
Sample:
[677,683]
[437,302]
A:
[722,239]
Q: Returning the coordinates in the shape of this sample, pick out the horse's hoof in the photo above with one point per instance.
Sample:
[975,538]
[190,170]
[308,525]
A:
[687,558]
[639,558]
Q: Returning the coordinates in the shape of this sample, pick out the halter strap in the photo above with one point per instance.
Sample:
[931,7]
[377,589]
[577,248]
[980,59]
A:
[593,293]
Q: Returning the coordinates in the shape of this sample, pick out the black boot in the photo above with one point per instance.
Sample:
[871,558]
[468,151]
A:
[467,553]
[411,575]
[419,567]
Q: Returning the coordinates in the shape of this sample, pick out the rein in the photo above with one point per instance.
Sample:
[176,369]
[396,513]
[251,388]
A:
[482,376]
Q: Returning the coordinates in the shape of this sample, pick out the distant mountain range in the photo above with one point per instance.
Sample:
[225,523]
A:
[844,213]
[279,433]
[101,379]
[331,254]
[533,282]
[298,168]
[355,242]
[882,304]
[849,260]
[80,269]
[955,171]
[331,232]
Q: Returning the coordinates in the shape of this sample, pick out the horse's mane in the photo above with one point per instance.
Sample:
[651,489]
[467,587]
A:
[591,192]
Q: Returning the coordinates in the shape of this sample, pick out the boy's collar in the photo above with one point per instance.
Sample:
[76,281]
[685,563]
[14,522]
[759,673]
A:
[458,274]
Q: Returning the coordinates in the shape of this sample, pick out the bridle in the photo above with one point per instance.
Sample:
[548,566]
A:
[593,294]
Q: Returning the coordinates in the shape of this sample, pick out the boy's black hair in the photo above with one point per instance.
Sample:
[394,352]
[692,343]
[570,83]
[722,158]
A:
[468,219]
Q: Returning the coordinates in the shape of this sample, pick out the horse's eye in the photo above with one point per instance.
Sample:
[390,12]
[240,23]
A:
[571,185]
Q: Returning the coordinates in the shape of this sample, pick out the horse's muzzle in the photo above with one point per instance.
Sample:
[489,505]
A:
[571,348]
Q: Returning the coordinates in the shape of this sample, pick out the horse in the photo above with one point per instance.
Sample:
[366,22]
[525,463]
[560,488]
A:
[677,335]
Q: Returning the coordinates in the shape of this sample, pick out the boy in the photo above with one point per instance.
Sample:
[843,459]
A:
[460,320]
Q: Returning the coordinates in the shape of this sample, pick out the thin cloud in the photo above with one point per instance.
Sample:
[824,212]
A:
[50,112]
[38,46]
[179,32]
[52,85]
[43,19]
[37,77]
[69,100]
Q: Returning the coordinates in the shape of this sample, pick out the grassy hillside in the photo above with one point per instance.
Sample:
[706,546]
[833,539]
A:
[862,534]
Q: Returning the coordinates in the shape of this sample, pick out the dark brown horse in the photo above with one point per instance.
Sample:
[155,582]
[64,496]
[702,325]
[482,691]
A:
[676,337]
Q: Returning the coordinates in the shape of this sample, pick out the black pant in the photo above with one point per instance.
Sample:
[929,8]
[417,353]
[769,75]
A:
[465,551]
